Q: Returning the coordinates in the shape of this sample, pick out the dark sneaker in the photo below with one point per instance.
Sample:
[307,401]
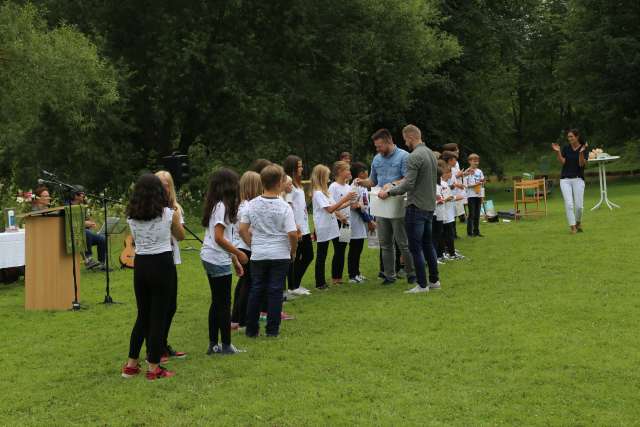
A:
[388,282]
[230,349]
[214,349]
[411,280]
[322,287]
[381,275]
[175,354]
[129,372]
[158,373]
[91,263]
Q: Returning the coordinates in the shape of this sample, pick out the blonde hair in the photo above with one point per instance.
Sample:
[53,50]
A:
[473,156]
[413,131]
[250,186]
[320,179]
[173,201]
[285,181]
[339,166]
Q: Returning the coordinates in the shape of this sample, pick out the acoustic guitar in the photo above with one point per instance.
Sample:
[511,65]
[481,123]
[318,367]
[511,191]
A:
[128,253]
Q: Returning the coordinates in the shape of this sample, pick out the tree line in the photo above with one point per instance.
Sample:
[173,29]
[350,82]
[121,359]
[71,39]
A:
[101,90]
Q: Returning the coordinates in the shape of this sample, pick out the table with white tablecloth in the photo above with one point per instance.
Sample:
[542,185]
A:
[12,249]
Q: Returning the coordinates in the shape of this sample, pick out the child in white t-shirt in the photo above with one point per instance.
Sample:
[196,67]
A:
[474,183]
[325,219]
[268,226]
[438,218]
[360,222]
[337,190]
[219,253]
[450,197]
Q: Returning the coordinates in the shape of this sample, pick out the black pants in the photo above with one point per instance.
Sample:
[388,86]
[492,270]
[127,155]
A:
[438,237]
[304,256]
[321,257]
[355,252]
[399,264]
[473,221]
[448,238]
[241,294]
[220,309]
[268,277]
[153,276]
[172,307]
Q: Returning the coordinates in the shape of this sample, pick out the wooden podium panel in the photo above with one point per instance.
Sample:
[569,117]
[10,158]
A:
[48,269]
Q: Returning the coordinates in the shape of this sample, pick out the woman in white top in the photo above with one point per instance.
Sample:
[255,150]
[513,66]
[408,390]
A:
[219,253]
[324,218]
[170,189]
[304,253]
[152,223]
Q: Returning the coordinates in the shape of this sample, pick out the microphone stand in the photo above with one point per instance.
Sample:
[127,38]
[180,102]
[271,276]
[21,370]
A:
[75,304]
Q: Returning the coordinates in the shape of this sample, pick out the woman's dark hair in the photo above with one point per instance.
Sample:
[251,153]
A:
[40,189]
[148,198]
[290,166]
[577,133]
[223,187]
[357,168]
[438,174]
[259,164]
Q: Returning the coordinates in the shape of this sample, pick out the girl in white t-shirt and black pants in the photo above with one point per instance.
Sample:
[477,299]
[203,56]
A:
[152,224]
[304,254]
[324,218]
[219,253]
[360,222]
[337,190]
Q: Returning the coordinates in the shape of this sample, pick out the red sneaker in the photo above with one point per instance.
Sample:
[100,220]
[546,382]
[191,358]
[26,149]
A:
[129,372]
[159,372]
[164,358]
[286,316]
[175,354]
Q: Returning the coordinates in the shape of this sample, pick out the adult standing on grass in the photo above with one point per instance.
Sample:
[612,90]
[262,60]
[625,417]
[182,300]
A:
[152,223]
[389,166]
[573,158]
[420,186]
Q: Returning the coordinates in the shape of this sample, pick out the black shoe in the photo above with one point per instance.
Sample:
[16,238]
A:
[272,335]
[388,282]
[411,279]
[381,275]
[322,287]
[478,235]
[214,349]
[229,349]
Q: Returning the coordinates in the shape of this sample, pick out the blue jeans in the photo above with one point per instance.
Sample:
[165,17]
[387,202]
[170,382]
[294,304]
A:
[94,239]
[418,225]
[267,276]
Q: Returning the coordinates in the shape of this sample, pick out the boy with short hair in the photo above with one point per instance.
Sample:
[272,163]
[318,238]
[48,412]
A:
[273,238]
[474,183]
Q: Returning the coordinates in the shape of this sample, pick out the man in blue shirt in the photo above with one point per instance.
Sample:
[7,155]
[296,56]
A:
[389,166]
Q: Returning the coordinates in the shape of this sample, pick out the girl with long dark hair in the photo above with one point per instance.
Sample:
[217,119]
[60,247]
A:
[304,253]
[152,223]
[219,253]
[574,159]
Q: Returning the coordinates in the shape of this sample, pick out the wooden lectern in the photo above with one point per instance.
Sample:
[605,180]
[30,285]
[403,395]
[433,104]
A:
[48,283]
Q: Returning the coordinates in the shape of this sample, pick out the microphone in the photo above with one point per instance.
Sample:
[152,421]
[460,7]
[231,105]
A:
[41,181]
[48,173]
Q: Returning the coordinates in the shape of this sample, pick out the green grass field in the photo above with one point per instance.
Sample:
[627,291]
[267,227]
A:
[535,327]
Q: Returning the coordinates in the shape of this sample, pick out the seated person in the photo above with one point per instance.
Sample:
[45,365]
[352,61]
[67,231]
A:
[93,238]
[42,198]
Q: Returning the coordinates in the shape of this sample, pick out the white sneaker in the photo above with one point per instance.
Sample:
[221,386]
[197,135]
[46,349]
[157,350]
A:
[434,285]
[361,278]
[290,295]
[299,292]
[304,290]
[417,290]
[354,280]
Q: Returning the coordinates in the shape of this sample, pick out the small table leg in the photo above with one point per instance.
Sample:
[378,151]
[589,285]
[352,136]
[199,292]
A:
[602,180]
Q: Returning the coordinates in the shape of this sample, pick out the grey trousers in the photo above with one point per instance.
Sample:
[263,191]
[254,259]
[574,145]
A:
[388,231]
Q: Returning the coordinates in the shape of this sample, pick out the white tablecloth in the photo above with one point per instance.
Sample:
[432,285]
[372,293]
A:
[12,249]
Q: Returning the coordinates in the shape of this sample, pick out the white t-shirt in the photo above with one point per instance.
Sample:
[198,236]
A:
[271,221]
[326,224]
[470,181]
[358,226]
[450,206]
[177,259]
[299,205]
[154,236]
[211,252]
[337,192]
[440,210]
[238,242]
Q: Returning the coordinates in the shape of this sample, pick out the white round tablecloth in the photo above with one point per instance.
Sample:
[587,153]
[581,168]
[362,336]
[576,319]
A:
[12,249]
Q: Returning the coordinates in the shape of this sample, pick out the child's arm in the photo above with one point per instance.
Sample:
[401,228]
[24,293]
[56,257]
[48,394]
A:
[227,245]
[293,243]
[245,233]
[237,266]
[341,203]
[177,230]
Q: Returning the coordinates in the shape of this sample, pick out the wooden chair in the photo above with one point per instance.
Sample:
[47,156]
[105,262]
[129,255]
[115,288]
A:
[528,192]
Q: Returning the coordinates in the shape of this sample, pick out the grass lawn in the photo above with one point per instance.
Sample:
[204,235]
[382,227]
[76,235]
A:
[536,326]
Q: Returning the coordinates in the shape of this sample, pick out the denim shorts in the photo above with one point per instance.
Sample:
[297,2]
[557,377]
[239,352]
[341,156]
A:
[214,270]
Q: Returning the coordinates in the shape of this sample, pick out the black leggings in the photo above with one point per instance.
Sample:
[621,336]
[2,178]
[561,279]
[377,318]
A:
[172,307]
[304,256]
[220,309]
[437,234]
[355,251]
[321,257]
[241,294]
[448,238]
[153,277]
[473,220]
